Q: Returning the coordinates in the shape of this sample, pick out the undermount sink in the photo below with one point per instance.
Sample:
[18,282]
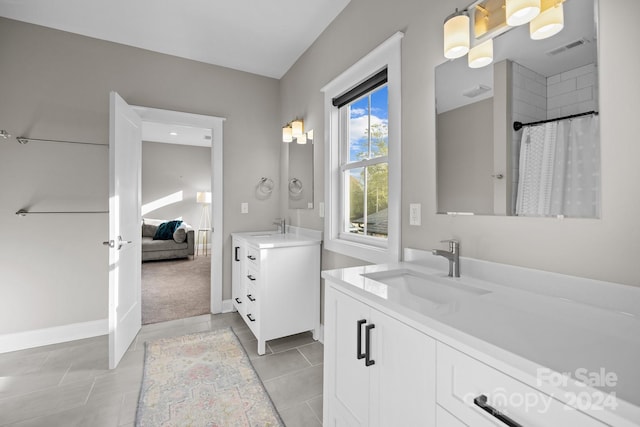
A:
[267,234]
[435,289]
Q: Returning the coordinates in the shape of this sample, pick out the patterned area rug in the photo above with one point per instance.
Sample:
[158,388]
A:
[203,379]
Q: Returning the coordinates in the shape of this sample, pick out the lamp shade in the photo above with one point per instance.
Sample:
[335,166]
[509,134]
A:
[287,135]
[297,128]
[520,12]
[549,23]
[481,55]
[456,35]
[302,139]
[203,197]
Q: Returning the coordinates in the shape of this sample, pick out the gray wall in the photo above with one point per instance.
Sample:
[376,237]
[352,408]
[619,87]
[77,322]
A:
[169,168]
[465,158]
[606,248]
[53,268]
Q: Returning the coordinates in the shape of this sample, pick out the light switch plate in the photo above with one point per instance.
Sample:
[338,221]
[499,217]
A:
[244,207]
[415,215]
[321,209]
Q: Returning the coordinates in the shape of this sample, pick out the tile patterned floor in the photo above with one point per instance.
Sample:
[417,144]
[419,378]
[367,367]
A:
[69,384]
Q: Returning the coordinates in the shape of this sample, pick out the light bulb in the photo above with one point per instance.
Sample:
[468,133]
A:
[549,23]
[481,55]
[456,35]
[520,12]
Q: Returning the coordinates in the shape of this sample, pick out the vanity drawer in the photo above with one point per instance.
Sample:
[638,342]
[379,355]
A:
[464,383]
[253,255]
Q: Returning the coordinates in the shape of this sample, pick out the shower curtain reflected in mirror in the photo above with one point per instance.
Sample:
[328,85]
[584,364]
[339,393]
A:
[560,169]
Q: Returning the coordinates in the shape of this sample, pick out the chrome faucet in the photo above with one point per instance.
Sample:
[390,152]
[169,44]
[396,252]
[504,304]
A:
[453,255]
[280,223]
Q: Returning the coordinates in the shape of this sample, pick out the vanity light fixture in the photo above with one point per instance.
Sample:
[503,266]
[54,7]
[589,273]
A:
[302,139]
[287,135]
[481,55]
[520,12]
[297,128]
[456,35]
[493,18]
[550,21]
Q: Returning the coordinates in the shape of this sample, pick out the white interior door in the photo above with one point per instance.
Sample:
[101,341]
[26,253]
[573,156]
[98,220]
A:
[125,152]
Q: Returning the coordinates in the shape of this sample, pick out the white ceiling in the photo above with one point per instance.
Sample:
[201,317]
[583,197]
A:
[264,37]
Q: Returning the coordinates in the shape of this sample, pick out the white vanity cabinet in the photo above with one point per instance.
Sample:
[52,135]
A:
[378,371]
[276,285]
[238,290]
[387,364]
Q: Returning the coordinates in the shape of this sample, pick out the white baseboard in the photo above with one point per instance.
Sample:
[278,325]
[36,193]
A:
[227,306]
[55,335]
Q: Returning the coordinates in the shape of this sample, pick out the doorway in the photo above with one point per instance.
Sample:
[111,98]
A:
[175,186]
[151,118]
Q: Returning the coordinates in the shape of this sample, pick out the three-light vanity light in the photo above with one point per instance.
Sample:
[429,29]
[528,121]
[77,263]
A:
[295,130]
[545,19]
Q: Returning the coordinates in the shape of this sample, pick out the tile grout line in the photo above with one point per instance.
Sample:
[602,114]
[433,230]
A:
[312,411]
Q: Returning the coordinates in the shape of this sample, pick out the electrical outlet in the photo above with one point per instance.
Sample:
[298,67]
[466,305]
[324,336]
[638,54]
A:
[415,216]
[244,207]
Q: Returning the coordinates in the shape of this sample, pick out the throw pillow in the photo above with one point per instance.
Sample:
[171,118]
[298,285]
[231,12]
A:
[166,229]
[180,235]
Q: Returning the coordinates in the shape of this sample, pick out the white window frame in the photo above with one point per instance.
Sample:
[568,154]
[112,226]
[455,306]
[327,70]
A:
[386,55]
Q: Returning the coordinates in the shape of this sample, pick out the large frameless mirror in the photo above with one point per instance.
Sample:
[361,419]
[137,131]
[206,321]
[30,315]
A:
[300,181]
[547,164]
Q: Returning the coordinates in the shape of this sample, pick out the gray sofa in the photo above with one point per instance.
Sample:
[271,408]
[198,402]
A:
[180,246]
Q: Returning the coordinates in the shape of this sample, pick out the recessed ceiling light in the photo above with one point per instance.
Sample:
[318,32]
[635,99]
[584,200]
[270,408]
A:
[173,133]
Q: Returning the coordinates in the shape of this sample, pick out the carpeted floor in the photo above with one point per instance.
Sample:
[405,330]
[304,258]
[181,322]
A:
[175,289]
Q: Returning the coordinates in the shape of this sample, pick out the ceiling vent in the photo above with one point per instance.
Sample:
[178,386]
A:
[476,90]
[567,47]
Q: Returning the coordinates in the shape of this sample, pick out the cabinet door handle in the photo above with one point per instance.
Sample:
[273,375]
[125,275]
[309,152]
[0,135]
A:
[367,345]
[359,353]
[251,298]
[236,254]
[250,277]
[238,301]
[481,401]
[250,318]
[251,257]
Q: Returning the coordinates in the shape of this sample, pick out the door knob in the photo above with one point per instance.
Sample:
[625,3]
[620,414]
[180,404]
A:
[121,243]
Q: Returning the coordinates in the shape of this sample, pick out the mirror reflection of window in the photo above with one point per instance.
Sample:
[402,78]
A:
[481,166]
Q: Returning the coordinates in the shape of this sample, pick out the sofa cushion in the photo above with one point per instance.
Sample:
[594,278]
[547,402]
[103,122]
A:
[166,229]
[149,230]
[150,245]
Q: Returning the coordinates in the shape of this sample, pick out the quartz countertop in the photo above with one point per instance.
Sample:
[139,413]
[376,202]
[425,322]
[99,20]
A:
[526,330]
[274,239]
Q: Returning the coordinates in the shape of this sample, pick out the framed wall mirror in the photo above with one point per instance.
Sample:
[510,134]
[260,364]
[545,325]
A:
[300,180]
[550,165]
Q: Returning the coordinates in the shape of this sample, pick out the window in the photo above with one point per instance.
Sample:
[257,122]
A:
[362,165]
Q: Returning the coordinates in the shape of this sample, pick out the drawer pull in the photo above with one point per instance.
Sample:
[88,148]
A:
[251,257]
[236,254]
[238,301]
[481,401]
[251,298]
[250,277]
[250,318]
[359,353]
[367,346]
